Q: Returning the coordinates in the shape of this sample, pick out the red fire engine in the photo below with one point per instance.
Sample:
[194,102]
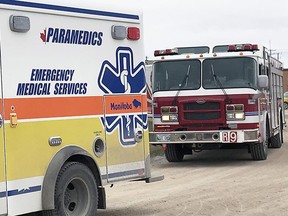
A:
[228,96]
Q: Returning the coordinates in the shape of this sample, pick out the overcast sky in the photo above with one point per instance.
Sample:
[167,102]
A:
[172,23]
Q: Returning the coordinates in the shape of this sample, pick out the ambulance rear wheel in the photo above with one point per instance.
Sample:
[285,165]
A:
[75,191]
[174,153]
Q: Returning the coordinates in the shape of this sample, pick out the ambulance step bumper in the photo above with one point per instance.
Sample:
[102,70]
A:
[154,179]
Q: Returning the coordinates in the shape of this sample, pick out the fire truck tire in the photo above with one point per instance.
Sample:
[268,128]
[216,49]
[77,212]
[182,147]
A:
[75,191]
[276,141]
[259,150]
[174,153]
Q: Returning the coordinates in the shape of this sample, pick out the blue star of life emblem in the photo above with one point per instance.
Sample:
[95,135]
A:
[124,78]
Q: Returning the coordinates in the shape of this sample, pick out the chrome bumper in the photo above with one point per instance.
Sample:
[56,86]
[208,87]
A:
[221,136]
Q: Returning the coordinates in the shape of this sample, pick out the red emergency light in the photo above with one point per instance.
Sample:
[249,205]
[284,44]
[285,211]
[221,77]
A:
[243,47]
[133,33]
[165,52]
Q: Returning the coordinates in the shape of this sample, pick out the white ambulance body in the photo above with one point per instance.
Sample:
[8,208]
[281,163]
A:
[73,105]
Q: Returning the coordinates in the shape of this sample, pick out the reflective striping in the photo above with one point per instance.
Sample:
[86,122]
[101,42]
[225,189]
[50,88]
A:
[123,174]
[126,173]
[31,108]
[2,194]
[37,188]
[20,192]
[251,113]
[69,9]
[35,108]
[126,170]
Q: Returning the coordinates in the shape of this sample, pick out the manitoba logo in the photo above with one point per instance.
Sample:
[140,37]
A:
[71,36]
[124,78]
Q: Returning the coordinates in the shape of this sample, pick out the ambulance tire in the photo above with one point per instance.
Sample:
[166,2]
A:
[75,191]
[259,151]
[174,153]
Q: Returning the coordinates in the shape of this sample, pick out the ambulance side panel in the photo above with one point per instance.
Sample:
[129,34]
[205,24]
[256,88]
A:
[54,102]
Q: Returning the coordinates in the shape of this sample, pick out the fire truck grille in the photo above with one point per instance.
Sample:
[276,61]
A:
[202,116]
[205,106]
[205,111]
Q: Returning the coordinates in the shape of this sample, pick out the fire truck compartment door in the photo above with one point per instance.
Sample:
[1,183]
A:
[124,136]
[3,183]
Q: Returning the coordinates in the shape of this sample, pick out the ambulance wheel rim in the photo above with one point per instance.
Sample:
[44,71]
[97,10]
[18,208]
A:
[76,198]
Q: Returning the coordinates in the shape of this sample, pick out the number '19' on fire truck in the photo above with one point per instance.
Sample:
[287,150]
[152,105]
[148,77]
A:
[73,105]
[225,96]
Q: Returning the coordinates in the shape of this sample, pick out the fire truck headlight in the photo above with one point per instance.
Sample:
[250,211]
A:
[235,116]
[240,116]
[230,116]
[165,117]
[174,117]
[169,114]
[235,112]
[169,118]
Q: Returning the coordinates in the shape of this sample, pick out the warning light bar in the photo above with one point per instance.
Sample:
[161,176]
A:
[243,47]
[166,52]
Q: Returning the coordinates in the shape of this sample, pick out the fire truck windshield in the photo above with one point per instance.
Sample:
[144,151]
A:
[239,72]
[176,75]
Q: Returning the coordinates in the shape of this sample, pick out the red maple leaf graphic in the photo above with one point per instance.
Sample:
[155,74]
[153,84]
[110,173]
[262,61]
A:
[43,36]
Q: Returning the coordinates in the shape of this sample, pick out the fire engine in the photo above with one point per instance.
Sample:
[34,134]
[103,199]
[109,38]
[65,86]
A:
[226,96]
[73,113]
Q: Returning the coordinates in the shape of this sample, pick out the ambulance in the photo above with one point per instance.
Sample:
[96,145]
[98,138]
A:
[73,105]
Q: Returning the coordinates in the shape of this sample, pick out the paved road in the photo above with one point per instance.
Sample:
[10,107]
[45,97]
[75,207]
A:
[225,182]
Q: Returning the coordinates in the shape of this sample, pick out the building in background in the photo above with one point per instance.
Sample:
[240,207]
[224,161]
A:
[285,80]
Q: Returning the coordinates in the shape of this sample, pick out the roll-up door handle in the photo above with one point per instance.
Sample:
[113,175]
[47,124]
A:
[1,121]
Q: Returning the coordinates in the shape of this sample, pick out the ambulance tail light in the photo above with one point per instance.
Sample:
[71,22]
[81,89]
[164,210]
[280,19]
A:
[166,52]
[133,33]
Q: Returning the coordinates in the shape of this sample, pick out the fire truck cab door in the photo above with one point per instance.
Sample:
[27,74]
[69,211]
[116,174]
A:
[124,136]
[3,183]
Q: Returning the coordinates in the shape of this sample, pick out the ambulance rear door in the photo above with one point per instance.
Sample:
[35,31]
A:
[125,124]
[125,116]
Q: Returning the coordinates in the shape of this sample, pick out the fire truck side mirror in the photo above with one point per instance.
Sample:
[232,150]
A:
[263,81]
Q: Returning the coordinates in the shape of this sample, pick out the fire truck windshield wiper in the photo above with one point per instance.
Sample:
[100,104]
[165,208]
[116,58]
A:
[185,80]
[218,82]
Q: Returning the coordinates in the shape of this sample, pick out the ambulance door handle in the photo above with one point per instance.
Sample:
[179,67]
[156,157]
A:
[1,121]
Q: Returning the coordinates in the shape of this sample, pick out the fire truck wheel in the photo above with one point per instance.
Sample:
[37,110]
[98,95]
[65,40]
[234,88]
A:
[259,150]
[174,153]
[276,141]
[75,191]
